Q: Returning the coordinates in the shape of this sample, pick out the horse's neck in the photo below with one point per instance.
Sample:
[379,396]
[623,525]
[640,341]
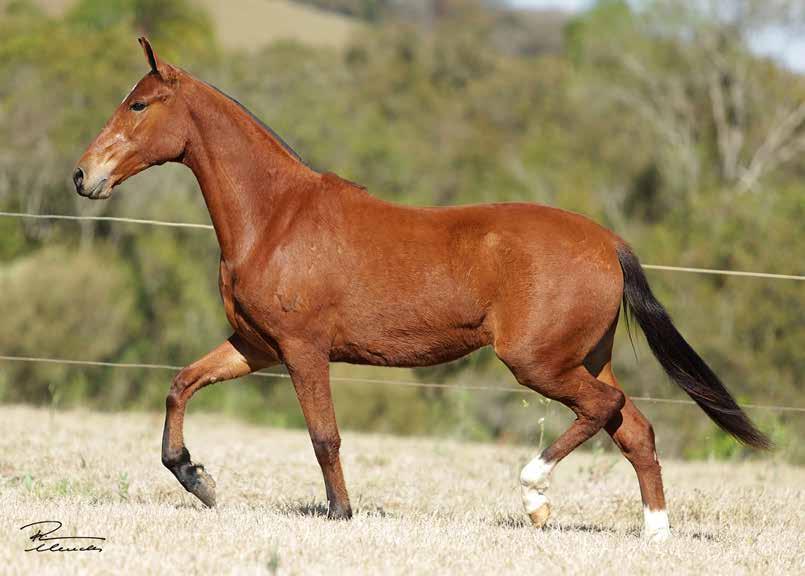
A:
[243,171]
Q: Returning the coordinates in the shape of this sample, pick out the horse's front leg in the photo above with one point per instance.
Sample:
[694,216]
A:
[310,372]
[232,359]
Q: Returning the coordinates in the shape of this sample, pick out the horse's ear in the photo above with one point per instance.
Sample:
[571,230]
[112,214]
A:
[149,54]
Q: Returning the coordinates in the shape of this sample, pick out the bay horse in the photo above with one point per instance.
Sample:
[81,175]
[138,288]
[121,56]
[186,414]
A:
[315,270]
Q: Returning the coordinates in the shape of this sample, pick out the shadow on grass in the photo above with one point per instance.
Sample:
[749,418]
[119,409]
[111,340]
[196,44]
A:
[581,527]
[311,509]
[319,510]
[513,522]
[697,535]
[521,523]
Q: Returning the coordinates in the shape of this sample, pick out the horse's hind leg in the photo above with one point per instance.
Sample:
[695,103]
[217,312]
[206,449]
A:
[232,359]
[635,437]
[593,402]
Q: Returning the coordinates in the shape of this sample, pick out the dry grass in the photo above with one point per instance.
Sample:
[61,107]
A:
[423,506]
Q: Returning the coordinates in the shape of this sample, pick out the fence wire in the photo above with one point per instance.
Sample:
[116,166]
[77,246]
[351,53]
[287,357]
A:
[358,379]
[191,225]
[169,224]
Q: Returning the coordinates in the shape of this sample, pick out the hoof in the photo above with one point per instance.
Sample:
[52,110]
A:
[337,512]
[193,478]
[539,517]
[202,486]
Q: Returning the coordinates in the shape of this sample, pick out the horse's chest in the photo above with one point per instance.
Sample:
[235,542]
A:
[261,308]
[227,295]
[240,305]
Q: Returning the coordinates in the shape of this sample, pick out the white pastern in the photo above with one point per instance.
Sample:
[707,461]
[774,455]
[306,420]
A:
[534,479]
[533,500]
[657,528]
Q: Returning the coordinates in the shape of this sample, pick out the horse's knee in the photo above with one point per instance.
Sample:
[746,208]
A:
[183,380]
[326,448]
[185,383]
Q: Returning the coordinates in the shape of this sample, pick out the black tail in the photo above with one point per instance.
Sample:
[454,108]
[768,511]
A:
[678,359]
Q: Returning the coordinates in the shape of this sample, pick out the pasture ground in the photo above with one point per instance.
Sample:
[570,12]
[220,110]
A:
[423,506]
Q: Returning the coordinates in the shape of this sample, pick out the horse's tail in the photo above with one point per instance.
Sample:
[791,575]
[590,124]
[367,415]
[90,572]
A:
[681,362]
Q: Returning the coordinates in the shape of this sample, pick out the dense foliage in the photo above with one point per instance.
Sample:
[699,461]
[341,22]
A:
[657,121]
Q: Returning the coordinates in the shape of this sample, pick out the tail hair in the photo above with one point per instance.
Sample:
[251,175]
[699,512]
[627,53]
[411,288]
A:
[679,360]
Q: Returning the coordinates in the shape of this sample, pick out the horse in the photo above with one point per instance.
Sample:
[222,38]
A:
[314,270]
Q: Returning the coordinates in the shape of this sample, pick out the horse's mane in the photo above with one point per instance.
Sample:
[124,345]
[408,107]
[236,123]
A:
[329,175]
[265,126]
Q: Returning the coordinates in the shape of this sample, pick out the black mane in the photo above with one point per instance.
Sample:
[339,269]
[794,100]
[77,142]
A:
[268,128]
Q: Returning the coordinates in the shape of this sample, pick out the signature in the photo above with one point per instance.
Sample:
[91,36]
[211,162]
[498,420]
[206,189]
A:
[46,542]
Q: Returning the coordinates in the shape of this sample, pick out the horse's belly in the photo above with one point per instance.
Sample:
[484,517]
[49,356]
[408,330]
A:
[409,346]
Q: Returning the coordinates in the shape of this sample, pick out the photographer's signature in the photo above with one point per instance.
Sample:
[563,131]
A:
[47,541]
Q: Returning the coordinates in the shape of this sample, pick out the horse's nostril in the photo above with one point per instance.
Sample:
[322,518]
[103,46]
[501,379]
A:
[78,179]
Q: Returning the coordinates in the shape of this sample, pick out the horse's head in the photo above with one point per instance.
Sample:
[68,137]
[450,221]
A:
[149,127]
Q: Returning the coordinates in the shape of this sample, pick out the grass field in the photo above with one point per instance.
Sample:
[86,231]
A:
[422,506]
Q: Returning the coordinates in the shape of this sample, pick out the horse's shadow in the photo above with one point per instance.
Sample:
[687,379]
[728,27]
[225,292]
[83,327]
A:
[319,510]
[698,535]
[514,522]
[309,509]
[518,523]
[511,522]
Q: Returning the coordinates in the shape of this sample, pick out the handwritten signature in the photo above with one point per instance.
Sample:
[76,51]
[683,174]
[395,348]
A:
[46,542]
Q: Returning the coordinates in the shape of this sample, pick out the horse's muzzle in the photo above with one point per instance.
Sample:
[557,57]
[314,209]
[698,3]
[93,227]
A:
[78,180]
[96,191]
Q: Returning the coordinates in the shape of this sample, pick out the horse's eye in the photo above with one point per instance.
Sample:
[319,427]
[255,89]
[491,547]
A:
[138,106]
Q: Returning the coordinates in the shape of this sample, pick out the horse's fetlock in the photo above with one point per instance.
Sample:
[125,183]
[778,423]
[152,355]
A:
[175,460]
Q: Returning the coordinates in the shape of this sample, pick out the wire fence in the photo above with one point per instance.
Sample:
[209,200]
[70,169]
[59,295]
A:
[106,219]
[505,389]
[169,224]
[358,379]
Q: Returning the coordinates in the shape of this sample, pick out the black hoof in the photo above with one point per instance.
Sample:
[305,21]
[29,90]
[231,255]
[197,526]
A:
[200,484]
[194,478]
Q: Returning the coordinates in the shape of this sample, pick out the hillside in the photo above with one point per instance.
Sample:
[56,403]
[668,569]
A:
[248,24]
[251,24]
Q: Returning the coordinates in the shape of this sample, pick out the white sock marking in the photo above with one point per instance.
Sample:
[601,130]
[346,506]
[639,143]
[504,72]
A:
[534,482]
[657,528]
